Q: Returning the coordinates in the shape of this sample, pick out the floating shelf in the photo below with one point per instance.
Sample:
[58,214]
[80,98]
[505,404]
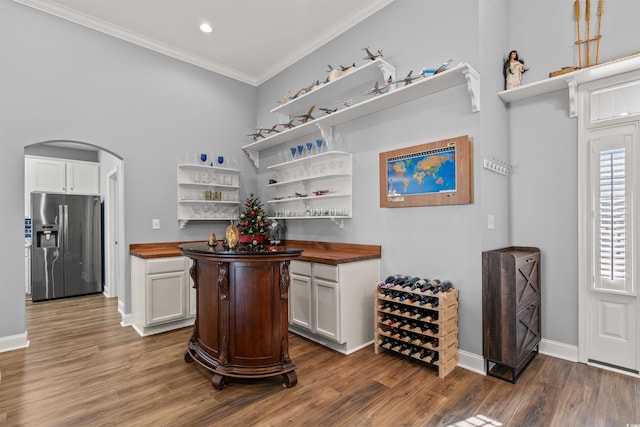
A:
[363,74]
[455,76]
[571,81]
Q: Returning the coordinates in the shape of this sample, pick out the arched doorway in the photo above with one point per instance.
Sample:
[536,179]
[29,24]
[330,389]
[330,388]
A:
[112,196]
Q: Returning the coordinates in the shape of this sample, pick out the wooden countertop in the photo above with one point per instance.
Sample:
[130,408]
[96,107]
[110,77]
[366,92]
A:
[324,252]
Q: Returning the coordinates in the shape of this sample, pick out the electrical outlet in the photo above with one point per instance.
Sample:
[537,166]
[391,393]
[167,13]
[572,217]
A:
[155,224]
[490,222]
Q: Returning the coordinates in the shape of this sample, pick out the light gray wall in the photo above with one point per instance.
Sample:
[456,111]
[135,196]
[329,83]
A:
[61,81]
[46,150]
[436,242]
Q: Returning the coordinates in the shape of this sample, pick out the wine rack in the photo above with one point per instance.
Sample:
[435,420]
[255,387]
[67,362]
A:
[419,324]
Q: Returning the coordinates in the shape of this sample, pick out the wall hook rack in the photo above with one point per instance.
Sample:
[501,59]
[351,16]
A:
[337,221]
[498,166]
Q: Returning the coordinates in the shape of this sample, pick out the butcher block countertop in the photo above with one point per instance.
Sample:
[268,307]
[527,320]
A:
[324,252]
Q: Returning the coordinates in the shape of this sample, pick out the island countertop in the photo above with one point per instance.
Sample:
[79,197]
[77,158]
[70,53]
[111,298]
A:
[323,252]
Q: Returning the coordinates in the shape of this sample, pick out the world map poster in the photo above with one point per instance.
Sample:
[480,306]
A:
[426,172]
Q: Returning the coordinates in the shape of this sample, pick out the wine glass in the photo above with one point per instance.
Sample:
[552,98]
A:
[293,152]
[220,161]
[309,148]
[300,150]
[203,158]
[319,145]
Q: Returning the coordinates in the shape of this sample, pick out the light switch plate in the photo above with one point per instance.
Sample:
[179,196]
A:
[155,224]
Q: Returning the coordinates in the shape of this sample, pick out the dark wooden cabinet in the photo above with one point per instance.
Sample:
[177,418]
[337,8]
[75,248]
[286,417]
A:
[510,310]
[241,327]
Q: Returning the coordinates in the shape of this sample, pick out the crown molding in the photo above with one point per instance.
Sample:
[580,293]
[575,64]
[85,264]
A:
[149,43]
[323,38]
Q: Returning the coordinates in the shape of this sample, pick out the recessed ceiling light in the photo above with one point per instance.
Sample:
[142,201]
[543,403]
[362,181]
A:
[206,28]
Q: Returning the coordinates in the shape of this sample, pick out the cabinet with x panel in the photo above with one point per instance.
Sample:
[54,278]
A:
[510,310]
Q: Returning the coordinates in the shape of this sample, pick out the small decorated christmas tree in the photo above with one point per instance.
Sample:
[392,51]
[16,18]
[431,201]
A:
[253,222]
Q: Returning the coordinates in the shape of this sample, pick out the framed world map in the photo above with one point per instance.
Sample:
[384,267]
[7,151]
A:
[431,174]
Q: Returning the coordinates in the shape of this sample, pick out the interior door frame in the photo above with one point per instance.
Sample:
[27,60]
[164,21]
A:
[585,126]
[111,235]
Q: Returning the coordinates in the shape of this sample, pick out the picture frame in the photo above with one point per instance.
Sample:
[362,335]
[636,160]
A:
[431,174]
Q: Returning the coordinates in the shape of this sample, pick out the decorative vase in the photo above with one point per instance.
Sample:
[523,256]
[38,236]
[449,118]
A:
[212,240]
[231,236]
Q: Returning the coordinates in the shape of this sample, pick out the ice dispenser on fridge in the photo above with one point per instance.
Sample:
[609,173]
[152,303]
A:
[47,236]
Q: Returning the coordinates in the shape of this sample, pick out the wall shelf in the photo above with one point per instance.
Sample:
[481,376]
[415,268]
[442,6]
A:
[196,182]
[455,76]
[333,90]
[571,81]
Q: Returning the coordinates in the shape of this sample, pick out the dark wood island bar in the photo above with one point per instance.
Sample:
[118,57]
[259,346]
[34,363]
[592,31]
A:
[241,327]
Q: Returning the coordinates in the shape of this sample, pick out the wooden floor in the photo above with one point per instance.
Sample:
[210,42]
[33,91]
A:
[83,369]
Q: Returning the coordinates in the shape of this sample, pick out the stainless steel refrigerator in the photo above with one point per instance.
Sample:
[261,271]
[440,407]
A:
[66,245]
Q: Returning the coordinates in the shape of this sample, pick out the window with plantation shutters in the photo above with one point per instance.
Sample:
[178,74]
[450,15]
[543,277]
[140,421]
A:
[612,209]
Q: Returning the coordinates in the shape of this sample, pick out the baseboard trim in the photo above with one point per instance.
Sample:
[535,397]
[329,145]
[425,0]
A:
[127,319]
[476,363]
[14,342]
[559,350]
[471,361]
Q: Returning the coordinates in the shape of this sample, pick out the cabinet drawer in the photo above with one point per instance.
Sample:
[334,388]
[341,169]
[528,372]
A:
[164,265]
[300,267]
[325,271]
[527,330]
[527,280]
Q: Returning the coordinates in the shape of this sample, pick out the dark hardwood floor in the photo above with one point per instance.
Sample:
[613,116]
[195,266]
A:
[83,369]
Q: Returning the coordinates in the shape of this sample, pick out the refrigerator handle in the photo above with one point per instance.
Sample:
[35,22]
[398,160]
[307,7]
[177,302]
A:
[65,222]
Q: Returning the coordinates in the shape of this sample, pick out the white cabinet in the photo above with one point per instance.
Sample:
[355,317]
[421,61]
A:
[300,301]
[62,176]
[312,187]
[83,178]
[332,304]
[162,294]
[207,193]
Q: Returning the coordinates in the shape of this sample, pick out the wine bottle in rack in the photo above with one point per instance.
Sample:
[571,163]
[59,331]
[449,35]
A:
[386,342]
[405,349]
[430,316]
[430,327]
[426,354]
[413,282]
[426,286]
[415,351]
[432,302]
[443,287]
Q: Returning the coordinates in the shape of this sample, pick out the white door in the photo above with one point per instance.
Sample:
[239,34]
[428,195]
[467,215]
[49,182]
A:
[612,330]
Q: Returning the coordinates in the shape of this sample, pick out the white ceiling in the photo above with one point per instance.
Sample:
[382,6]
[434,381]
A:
[252,40]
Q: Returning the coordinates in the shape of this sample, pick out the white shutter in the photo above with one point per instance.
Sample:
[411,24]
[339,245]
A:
[612,216]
